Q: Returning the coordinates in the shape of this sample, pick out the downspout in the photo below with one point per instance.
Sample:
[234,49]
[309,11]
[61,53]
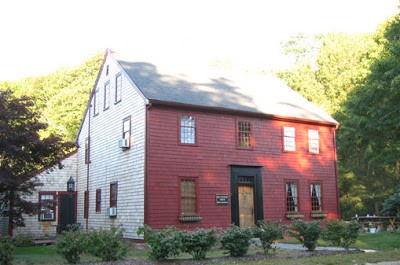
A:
[146,162]
[88,171]
[336,172]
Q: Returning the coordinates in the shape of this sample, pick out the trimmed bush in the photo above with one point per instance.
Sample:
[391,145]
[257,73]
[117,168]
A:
[236,240]
[198,242]
[342,233]
[108,245]
[164,243]
[6,250]
[22,240]
[70,245]
[268,233]
[307,233]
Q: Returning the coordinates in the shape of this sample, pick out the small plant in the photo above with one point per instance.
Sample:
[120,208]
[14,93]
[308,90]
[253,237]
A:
[198,242]
[108,245]
[268,233]
[342,233]
[71,244]
[164,243]
[21,240]
[6,250]
[307,233]
[236,240]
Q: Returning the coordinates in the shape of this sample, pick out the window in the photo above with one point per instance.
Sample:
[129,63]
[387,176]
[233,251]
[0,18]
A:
[188,197]
[86,204]
[96,102]
[107,70]
[188,129]
[113,194]
[291,197]
[118,88]
[87,150]
[289,142]
[47,206]
[106,95]
[313,141]
[126,130]
[316,202]
[98,200]
[244,134]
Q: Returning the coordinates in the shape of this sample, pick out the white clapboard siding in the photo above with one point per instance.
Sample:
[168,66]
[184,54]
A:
[109,163]
[54,179]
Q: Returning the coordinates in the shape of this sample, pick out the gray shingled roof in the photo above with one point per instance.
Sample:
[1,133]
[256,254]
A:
[166,82]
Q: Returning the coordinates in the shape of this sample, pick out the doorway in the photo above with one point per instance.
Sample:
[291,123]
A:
[246,199]
[66,210]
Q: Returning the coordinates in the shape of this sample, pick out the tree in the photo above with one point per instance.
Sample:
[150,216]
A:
[22,153]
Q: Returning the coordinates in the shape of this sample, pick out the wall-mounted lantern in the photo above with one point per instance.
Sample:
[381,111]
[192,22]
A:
[71,185]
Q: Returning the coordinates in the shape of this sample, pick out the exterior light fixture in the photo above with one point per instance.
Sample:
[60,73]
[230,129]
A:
[71,185]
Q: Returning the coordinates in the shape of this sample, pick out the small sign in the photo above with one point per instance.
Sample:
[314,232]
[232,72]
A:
[222,199]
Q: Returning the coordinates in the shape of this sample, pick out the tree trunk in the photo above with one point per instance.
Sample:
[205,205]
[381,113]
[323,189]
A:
[11,213]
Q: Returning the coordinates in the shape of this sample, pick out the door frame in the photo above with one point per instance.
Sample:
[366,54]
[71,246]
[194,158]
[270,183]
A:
[240,171]
[75,194]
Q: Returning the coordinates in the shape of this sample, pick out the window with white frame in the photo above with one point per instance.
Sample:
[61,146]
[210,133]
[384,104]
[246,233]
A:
[126,130]
[289,139]
[291,197]
[118,88]
[106,95]
[244,137]
[188,129]
[47,206]
[316,198]
[313,141]
[96,102]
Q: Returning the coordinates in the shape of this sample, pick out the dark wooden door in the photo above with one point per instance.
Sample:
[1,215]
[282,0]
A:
[66,210]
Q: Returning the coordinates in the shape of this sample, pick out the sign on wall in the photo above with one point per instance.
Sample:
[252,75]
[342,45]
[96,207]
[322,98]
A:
[222,199]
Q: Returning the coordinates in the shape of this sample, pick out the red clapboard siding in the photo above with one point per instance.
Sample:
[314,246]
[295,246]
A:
[209,161]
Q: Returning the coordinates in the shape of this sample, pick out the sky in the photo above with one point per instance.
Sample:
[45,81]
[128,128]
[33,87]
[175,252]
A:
[38,37]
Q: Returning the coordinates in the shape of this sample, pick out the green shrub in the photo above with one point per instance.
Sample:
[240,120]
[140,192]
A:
[22,240]
[268,233]
[307,233]
[108,245]
[70,245]
[164,243]
[342,233]
[6,250]
[198,242]
[236,240]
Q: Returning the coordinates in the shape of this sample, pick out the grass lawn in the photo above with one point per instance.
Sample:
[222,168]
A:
[387,244]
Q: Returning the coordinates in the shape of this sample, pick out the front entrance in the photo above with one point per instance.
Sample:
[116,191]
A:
[246,206]
[246,200]
[66,210]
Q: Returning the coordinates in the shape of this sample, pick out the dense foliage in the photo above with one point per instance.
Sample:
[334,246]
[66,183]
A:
[268,233]
[342,233]
[236,240]
[356,78]
[198,242]
[106,244]
[6,250]
[70,245]
[307,233]
[22,152]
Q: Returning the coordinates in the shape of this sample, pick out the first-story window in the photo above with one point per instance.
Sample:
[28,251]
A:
[289,140]
[244,134]
[188,197]
[291,197]
[113,194]
[98,200]
[47,206]
[188,129]
[313,141]
[316,199]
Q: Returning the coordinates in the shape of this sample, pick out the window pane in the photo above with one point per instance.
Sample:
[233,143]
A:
[118,88]
[188,129]
[316,202]
[113,194]
[291,197]
[244,134]
[313,141]
[106,95]
[188,197]
[289,143]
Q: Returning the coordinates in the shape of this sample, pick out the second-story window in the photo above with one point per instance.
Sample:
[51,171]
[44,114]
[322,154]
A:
[87,150]
[118,88]
[126,130]
[313,141]
[96,102]
[106,95]
[244,134]
[188,129]
[289,140]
